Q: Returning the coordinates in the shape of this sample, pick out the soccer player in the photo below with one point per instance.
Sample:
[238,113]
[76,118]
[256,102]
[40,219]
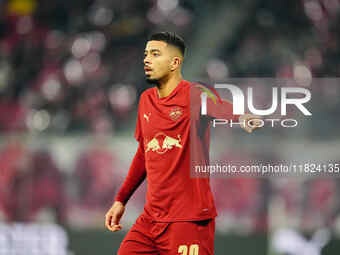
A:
[178,216]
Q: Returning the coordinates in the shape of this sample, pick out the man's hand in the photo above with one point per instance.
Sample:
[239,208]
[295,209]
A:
[251,122]
[113,216]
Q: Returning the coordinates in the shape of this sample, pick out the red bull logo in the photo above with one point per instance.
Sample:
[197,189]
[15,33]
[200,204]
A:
[161,143]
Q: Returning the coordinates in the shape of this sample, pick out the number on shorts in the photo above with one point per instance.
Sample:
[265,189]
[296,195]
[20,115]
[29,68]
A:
[193,249]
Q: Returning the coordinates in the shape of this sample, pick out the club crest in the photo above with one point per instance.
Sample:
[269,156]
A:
[175,113]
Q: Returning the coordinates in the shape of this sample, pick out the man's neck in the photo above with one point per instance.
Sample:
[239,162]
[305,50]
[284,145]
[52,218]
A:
[165,88]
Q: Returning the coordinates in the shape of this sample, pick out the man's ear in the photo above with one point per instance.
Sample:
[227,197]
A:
[176,62]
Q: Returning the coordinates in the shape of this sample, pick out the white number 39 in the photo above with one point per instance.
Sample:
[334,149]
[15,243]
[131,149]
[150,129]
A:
[193,249]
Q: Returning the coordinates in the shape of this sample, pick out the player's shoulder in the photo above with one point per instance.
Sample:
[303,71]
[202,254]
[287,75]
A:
[190,86]
[146,93]
[197,88]
[199,85]
[149,91]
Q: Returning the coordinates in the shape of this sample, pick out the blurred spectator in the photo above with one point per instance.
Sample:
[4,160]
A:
[49,198]
[237,198]
[98,175]
[320,204]
[32,186]
[14,163]
[12,114]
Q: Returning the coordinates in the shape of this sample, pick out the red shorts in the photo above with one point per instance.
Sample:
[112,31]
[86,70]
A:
[185,238]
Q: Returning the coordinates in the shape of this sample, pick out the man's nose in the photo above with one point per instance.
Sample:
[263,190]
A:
[146,60]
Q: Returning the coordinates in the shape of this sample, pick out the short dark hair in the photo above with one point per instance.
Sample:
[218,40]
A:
[171,38]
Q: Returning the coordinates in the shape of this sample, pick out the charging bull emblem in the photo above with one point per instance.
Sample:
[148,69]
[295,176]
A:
[161,143]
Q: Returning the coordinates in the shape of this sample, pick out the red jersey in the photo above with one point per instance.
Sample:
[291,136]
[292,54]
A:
[170,134]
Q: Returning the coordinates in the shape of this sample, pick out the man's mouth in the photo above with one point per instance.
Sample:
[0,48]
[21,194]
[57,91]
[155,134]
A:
[147,69]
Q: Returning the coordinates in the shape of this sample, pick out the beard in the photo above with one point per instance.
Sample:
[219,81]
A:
[152,81]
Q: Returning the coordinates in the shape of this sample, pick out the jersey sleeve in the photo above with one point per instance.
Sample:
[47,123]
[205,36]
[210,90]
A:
[137,171]
[138,130]
[135,177]
[215,107]
[221,110]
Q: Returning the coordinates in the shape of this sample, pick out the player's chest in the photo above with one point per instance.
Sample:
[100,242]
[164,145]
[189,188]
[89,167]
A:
[163,117]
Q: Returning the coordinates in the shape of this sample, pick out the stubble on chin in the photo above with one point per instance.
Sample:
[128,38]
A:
[152,81]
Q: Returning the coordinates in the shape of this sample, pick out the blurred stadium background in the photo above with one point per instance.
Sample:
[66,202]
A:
[70,77]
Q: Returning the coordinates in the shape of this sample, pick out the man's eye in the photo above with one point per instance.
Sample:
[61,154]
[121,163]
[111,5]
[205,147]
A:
[156,54]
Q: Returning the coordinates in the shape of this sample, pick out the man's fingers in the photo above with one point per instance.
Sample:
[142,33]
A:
[113,216]
[108,221]
[113,223]
[253,123]
[114,220]
[115,228]
[247,128]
